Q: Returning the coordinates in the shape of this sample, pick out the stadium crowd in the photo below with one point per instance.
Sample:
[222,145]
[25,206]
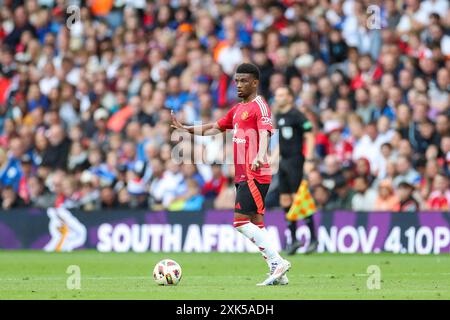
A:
[85,103]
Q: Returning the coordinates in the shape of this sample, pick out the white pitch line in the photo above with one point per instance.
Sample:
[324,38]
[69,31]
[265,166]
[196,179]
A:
[303,275]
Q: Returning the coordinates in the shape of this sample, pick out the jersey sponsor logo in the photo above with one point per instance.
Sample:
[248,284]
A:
[239,140]
[266,120]
[244,115]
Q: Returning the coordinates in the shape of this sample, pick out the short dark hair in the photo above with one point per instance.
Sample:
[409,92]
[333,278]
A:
[289,90]
[405,184]
[248,68]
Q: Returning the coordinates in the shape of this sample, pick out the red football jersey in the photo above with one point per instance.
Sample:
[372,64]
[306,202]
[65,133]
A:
[247,120]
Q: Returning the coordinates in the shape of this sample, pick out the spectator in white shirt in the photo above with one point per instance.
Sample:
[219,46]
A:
[406,172]
[49,81]
[414,18]
[368,146]
[365,197]
[230,56]
[166,187]
[435,6]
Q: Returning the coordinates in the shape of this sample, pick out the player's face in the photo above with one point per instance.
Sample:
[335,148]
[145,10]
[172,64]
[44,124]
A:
[246,85]
[282,97]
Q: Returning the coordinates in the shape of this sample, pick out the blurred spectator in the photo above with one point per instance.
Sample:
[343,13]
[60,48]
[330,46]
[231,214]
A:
[213,187]
[26,174]
[407,201]
[386,200]
[426,136]
[78,157]
[11,167]
[124,199]
[337,145]
[57,152]
[405,172]
[322,197]
[165,185]
[89,193]
[10,199]
[363,169]
[439,198]
[91,104]
[190,171]
[70,194]
[386,155]
[191,200]
[108,198]
[226,195]
[40,196]
[315,179]
[331,171]
[344,195]
[365,197]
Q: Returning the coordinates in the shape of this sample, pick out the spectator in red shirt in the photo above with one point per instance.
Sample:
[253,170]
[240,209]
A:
[362,168]
[212,187]
[439,198]
[336,143]
[368,73]
[27,167]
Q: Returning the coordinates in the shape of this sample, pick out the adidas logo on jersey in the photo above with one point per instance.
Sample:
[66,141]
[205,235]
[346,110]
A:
[266,120]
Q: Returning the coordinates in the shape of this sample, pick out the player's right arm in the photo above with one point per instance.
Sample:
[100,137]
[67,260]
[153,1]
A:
[208,129]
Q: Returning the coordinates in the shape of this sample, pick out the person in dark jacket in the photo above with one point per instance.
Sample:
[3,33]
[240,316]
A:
[344,195]
[57,152]
[407,202]
[426,136]
[10,199]
[21,24]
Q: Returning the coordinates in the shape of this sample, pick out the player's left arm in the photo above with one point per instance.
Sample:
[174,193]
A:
[264,136]
[265,128]
[310,144]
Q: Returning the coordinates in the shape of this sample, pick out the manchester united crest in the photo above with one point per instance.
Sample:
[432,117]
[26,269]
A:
[244,115]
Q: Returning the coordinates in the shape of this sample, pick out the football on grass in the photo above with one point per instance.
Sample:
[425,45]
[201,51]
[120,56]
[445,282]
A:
[167,273]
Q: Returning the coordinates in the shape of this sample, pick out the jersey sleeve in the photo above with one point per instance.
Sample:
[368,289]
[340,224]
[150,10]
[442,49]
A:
[227,121]
[305,124]
[263,116]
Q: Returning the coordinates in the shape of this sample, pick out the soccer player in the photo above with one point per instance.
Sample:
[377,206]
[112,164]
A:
[251,123]
[294,194]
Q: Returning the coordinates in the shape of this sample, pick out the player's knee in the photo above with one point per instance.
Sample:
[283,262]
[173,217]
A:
[239,223]
[257,219]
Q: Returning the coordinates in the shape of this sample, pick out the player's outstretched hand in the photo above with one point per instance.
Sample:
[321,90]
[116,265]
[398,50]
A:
[175,123]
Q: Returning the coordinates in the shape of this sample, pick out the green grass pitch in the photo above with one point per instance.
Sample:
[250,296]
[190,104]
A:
[40,275]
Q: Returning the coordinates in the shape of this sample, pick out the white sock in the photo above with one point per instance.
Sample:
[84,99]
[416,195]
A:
[261,226]
[260,238]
